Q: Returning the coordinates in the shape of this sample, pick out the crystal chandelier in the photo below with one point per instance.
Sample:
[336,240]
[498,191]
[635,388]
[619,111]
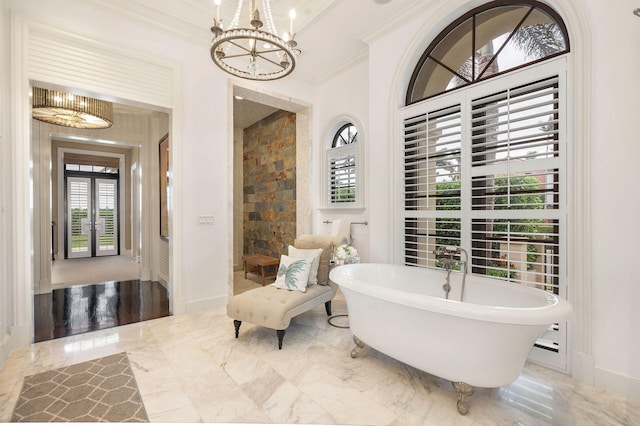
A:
[253,53]
[65,109]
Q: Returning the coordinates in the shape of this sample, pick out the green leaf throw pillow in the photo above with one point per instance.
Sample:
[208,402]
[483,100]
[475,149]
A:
[293,273]
[313,255]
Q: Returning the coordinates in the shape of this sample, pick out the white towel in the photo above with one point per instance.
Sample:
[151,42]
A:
[342,228]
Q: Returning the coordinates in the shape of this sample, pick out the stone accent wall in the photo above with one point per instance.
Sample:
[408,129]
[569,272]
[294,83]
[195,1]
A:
[269,165]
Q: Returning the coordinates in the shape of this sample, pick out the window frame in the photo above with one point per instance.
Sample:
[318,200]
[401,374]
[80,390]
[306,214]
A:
[330,153]
[466,214]
[471,15]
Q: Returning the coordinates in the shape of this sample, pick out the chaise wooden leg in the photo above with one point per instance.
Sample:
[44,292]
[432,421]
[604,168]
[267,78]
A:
[236,324]
[327,307]
[280,334]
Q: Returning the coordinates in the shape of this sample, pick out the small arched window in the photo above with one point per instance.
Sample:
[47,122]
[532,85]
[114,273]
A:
[342,168]
[488,41]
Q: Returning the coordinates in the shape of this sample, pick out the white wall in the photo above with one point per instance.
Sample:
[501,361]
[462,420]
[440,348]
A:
[615,201]
[200,137]
[343,96]
[372,90]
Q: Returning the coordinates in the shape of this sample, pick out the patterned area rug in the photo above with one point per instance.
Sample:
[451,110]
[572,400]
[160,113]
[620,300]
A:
[102,390]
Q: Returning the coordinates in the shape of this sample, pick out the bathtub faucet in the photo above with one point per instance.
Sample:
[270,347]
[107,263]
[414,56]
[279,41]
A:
[445,255]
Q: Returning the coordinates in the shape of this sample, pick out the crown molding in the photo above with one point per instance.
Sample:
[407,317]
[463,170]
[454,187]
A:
[396,20]
[161,18]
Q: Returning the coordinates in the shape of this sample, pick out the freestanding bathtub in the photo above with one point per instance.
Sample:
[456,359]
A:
[483,341]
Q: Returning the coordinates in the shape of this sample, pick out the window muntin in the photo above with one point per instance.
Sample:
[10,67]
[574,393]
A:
[485,173]
[515,166]
[487,41]
[432,160]
[90,168]
[346,135]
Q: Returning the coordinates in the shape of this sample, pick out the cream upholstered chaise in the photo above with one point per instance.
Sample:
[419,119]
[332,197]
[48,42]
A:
[274,307]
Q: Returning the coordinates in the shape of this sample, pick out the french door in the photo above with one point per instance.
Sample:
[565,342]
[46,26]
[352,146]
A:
[92,216]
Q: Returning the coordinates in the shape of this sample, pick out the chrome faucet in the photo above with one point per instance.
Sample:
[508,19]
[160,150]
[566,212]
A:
[445,255]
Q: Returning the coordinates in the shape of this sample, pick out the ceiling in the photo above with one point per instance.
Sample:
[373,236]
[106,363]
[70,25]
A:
[246,112]
[332,34]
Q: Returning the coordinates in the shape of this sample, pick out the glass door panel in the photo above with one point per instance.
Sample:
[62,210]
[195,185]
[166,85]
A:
[79,223]
[106,217]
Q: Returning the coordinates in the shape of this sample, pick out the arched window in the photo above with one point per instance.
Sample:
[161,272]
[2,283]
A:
[345,135]
[488,41]
[484,159]
[342,166]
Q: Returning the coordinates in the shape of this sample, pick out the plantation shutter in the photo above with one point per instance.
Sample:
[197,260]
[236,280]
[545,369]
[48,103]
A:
[431,179]
[342,174]
[515,196]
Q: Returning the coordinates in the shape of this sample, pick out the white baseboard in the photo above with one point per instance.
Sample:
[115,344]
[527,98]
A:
[18,336]
[43,287]
[4,350]
[164,283]
[177,306]
[208,303]
[145,274]
[616,382]
[584,370]
[582,367]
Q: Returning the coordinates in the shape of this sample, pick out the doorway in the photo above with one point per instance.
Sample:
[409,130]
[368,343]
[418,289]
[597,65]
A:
[92,215]
[249,108]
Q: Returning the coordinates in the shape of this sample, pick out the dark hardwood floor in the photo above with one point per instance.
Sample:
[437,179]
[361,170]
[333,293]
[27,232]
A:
[84,308]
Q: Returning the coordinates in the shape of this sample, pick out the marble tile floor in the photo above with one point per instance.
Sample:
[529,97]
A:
[190,368]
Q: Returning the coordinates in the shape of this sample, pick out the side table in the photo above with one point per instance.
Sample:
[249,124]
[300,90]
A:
[260,261]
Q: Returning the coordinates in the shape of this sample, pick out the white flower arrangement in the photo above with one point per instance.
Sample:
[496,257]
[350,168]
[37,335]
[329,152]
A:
[345,254]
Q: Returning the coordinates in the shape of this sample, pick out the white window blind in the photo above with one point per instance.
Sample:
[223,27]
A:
[515,184]
[107,212]
[342,174]
[432,160]
[78,200]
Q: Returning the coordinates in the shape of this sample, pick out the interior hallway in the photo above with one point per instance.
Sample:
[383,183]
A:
[190,368]
[93,270]
[72,309]
[96,293]
[79,309]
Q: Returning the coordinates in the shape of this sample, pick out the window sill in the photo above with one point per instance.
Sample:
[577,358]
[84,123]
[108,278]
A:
[352,209]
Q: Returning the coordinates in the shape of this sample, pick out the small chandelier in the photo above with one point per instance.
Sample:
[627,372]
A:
[253,53]
[65,109]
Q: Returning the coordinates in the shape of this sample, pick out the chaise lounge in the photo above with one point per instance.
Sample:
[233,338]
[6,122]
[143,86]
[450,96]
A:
[274,307]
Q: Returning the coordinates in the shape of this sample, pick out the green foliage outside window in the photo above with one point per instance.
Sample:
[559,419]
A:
[523,196]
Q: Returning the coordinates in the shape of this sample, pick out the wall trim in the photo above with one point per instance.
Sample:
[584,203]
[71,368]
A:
[20,196]
[163,283]
[206,303]
[582,367]
[4,349]
[122,184]
[580,285]
[616,382]
[24,32]
[304,156]
[324,146]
